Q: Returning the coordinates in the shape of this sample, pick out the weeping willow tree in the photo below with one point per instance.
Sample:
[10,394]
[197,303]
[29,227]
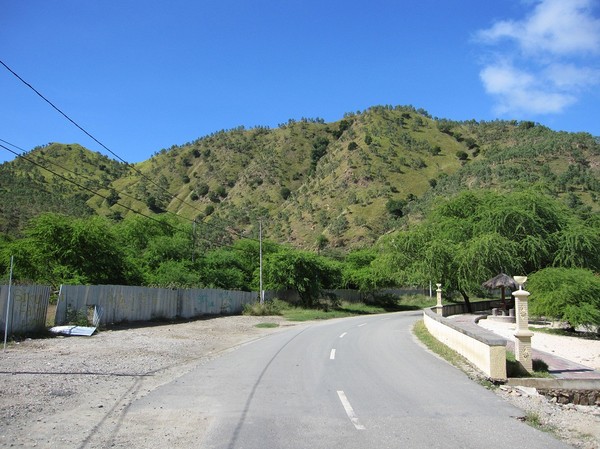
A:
[478,234]
[578,246]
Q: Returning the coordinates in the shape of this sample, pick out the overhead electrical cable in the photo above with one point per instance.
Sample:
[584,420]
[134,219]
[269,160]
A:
[96,140]
[81,175]
[172,196]
[83,187]
[106,198]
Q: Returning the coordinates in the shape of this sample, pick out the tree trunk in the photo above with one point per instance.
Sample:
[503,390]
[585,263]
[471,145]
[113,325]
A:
[467,302]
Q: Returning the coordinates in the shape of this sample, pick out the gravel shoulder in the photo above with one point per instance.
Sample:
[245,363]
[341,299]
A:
[577,425]
[73,392]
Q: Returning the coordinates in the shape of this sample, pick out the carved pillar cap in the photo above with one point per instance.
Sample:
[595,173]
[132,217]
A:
[521,294]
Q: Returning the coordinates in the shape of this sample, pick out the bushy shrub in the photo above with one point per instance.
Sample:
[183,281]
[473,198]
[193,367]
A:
[267,308]
[567,294]
[462,155]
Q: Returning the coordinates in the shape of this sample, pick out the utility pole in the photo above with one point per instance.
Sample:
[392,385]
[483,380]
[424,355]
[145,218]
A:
[193,240]
[8,302]
[262,296]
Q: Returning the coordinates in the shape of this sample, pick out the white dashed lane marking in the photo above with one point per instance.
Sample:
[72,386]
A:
[350,411]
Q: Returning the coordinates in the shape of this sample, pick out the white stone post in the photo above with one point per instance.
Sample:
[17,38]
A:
[523,334]
[439,308]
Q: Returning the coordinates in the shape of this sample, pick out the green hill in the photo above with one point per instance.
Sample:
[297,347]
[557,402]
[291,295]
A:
[58,178]
[341,184]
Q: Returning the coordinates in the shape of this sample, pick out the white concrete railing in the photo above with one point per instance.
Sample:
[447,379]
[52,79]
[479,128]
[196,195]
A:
[482,348]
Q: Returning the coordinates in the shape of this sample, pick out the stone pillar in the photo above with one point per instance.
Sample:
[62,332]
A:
[523,334]
[439,308]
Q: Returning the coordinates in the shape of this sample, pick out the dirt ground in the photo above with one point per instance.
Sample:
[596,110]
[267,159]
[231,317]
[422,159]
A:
[73,392]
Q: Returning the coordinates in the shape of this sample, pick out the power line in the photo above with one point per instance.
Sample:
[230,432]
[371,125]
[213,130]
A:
[118,203]
[119,192]
[96,140]
[172,196]
[82,175]
[83,187]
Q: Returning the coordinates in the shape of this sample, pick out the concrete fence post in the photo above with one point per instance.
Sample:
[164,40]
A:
[439,308]
[522,334]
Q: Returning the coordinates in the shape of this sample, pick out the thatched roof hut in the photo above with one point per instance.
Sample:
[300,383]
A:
[502,281]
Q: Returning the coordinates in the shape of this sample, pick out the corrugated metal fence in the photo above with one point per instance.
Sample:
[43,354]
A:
[117,303]
[28,308]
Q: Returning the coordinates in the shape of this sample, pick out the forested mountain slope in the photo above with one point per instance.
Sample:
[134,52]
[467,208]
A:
[313,184]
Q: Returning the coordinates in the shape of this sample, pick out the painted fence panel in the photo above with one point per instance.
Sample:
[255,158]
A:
[118,303]
[28,308]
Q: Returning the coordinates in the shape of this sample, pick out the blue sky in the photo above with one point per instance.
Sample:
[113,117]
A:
[144,75]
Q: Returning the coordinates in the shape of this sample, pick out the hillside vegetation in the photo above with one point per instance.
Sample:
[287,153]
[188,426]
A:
[383,198]
[319,186]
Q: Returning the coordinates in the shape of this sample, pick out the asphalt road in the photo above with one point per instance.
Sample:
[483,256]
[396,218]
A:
[351,383]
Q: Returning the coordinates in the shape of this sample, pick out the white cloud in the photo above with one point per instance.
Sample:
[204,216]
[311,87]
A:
[520,92]
[572,77]
[560,27]
[553,62]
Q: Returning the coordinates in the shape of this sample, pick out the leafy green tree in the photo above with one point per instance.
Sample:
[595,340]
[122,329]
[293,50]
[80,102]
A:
[112,198]
[444,126]
[223,268]
[357,272]
[285,193]
[481,258]
[395,207]
[155,204]
[202,189]
[166,248]
[221,191]
[462,155]
[475,235]
[302,271]
[61,250]
[567,294]
[174,274]
[322,243]
[135,232]
[578,245]
[434,150]
[339,225]
[150,243]
[319,150]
